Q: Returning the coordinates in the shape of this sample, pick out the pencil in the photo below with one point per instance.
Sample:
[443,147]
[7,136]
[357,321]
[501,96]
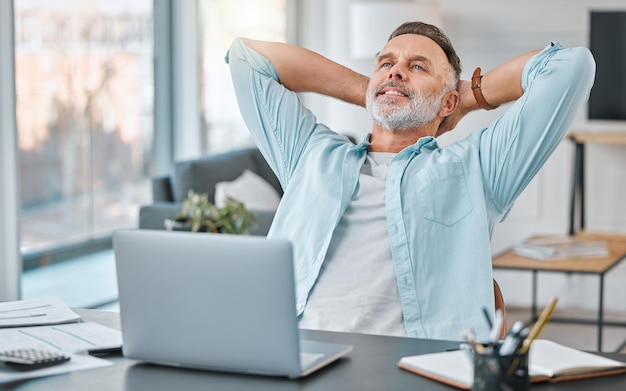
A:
[539,325]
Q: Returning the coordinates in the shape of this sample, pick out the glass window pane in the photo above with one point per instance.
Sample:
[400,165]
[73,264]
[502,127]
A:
[84,86]
[220,22]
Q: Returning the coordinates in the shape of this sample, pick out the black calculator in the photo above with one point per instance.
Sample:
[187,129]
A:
[29,359]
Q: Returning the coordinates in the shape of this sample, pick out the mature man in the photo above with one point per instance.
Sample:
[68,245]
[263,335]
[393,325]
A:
[392,236]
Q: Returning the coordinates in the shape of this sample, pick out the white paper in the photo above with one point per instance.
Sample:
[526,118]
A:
[550,358]
[77,363]
[32,312]
[71,338]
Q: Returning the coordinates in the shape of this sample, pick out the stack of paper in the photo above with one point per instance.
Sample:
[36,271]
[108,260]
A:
[83,337]
[560,247]
[49,324]
[33,312]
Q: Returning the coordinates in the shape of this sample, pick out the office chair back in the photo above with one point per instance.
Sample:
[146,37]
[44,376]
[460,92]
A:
[499,305]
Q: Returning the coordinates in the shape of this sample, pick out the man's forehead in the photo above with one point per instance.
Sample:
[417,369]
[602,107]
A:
[410,56]
[416,43]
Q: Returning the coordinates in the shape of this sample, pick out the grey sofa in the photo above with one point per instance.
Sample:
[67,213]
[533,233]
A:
[201,175]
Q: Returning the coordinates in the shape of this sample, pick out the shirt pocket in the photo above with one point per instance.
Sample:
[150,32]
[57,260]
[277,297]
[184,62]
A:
[443,193]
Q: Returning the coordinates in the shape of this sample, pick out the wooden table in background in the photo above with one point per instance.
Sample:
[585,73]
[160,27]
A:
[598,266]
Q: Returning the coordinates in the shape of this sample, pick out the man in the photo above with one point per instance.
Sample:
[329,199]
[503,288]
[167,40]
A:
[392,236]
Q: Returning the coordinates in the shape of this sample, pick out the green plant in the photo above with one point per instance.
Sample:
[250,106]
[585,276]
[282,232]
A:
[202,215]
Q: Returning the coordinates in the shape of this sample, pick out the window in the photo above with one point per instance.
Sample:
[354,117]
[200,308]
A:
[220,22]
[84,109]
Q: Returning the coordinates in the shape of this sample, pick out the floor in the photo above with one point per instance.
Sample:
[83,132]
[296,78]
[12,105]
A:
[87,282]
[577,335]
[90,282]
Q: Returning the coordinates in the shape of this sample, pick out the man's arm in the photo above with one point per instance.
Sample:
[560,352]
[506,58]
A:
[556,83]
[302,70]
[500,85]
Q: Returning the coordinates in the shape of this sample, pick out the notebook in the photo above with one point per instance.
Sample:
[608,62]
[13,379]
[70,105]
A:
[213,301]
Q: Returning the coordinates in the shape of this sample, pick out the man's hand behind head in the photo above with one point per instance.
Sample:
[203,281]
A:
[466,104]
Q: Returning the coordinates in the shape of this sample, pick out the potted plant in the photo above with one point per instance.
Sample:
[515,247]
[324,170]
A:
[200,215]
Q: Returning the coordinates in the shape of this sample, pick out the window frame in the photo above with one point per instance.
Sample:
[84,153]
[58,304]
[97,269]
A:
[10,260]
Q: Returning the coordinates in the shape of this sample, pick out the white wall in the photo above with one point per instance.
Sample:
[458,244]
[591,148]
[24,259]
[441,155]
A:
[486,33]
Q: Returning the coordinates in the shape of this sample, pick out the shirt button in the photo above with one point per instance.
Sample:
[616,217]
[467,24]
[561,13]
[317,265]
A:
[320,257]
[299,306]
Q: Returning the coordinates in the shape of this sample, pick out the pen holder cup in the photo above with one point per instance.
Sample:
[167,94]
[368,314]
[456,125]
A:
[495,372]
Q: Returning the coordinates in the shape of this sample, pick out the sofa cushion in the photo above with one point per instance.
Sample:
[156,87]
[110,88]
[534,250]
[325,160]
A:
[162,189]
[250,189]
[201,175]
[266,172]
[152,216]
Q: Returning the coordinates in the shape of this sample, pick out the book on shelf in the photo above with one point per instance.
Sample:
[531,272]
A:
[560,247]
[548,362]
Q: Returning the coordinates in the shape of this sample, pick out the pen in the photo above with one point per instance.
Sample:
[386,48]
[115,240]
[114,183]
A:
[522,337]
[518,343]
[512,339]
[495,328]
[539,325]
[486,313]
[470,337]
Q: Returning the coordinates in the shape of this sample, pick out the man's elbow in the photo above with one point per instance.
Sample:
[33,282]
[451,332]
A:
[583,67]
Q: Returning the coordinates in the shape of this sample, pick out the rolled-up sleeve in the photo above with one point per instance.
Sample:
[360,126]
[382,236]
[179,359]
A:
[278,122]
[556,84]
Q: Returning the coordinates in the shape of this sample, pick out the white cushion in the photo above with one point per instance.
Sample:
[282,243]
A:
[255,192]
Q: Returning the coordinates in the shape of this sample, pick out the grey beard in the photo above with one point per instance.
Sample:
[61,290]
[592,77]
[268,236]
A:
[389,115]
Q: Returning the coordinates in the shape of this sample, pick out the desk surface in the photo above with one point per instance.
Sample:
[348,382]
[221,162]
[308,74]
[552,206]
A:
[615,243]
[371,366]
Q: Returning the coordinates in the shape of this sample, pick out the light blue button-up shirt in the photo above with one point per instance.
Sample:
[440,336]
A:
[442,203]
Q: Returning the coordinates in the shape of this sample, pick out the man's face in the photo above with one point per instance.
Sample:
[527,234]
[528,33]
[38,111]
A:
[407,86]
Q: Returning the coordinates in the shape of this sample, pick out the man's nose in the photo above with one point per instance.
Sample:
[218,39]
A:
[395,73]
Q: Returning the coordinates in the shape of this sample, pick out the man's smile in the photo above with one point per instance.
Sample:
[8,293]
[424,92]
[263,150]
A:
[392,89]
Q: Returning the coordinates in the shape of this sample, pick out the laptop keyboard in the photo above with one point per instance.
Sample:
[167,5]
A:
[306,359]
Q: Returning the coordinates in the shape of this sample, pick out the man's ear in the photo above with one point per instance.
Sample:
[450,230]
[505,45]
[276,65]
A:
[449,103]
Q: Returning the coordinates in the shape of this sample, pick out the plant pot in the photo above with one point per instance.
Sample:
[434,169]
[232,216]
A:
[176,225]
[173,225]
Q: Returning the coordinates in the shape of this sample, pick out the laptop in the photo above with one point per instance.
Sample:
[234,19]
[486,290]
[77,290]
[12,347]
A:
[213,301]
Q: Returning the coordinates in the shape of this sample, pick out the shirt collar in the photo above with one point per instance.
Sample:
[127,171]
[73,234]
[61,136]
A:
[365,144]
[428,142]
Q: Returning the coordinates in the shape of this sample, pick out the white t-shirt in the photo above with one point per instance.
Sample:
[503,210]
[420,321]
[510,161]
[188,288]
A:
[357,290]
